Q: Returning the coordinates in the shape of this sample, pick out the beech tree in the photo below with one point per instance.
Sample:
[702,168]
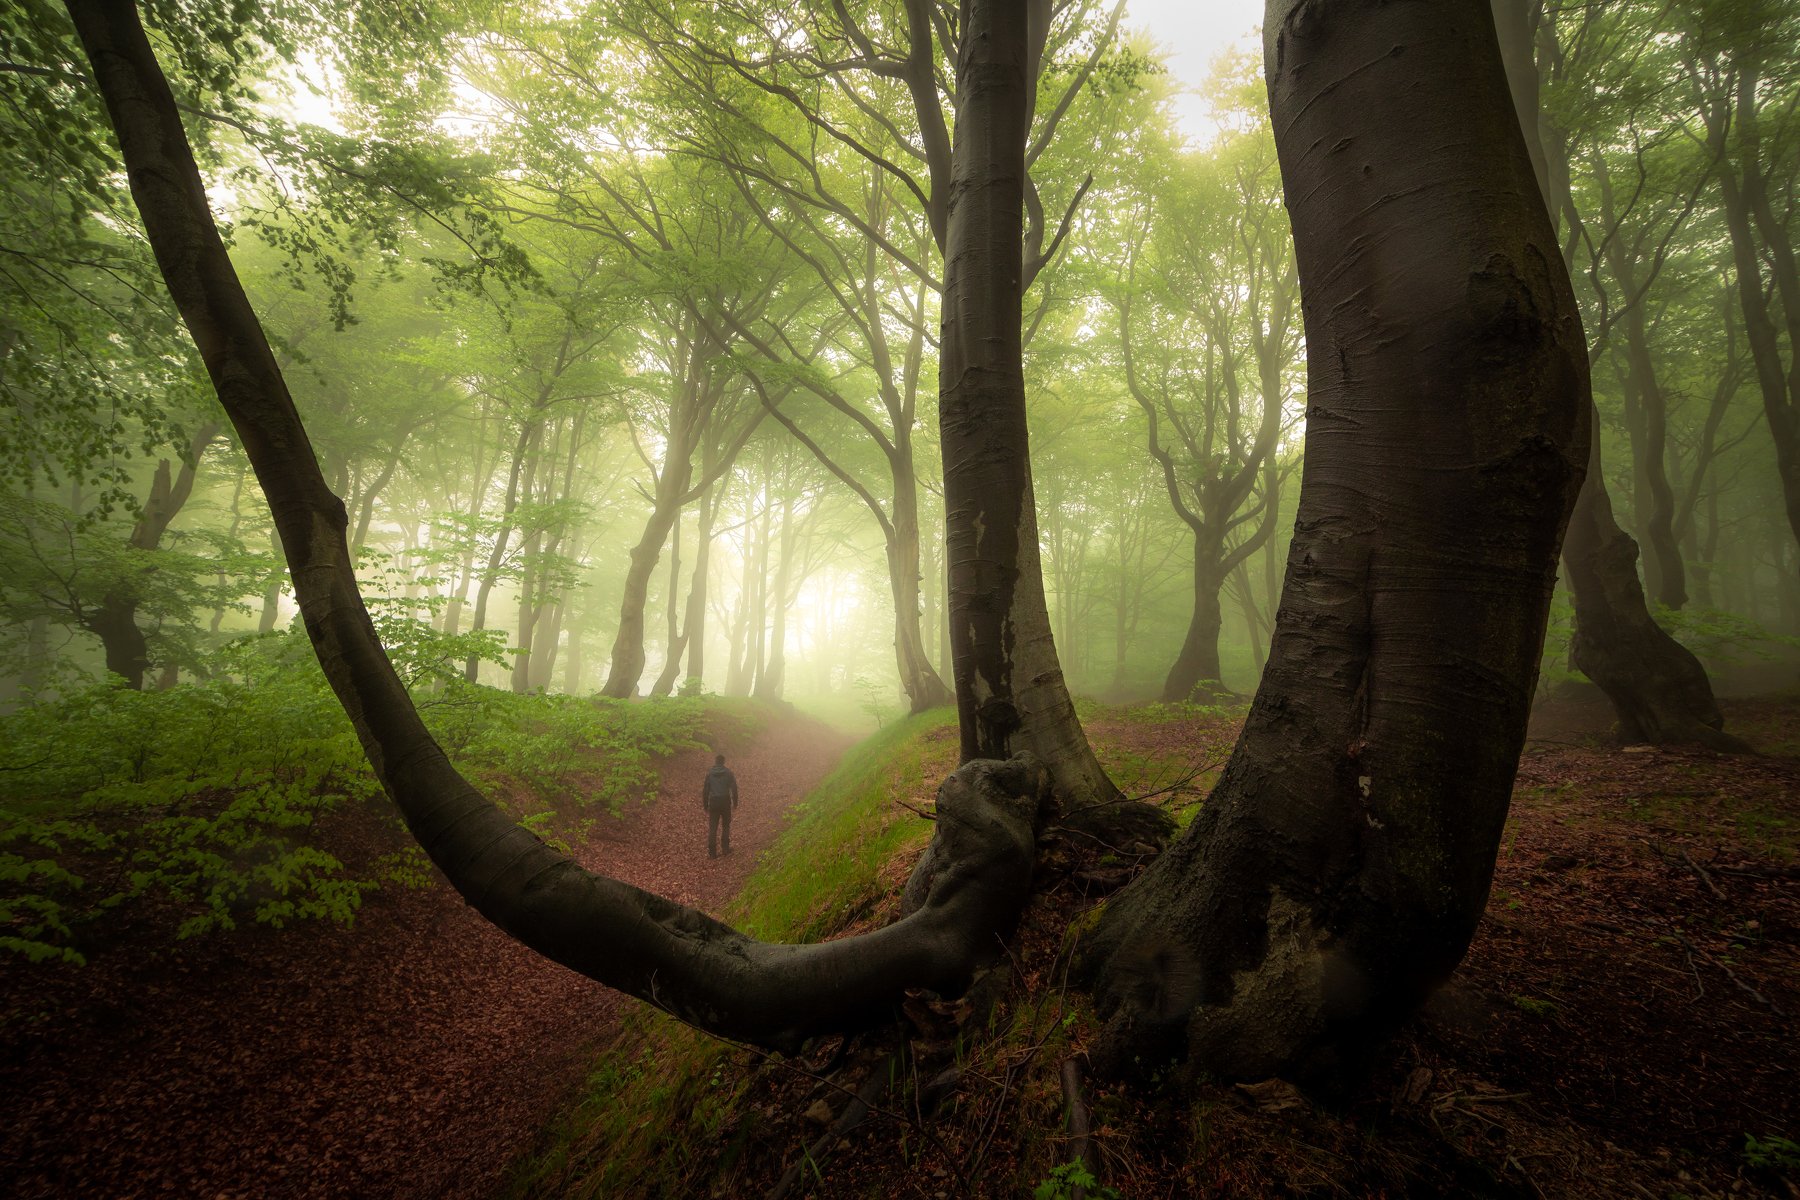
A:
[1337,872]
[1339,869]
[1217,288]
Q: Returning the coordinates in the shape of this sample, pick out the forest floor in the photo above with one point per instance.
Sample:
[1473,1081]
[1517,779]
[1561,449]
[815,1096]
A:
[1623,1025]
[411,1055]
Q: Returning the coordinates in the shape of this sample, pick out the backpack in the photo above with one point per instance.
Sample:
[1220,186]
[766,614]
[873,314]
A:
[718,787]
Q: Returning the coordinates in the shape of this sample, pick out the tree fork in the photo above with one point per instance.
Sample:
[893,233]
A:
[967,892]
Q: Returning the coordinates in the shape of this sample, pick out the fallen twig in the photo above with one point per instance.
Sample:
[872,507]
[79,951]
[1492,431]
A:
[1731,975]
[1701,872]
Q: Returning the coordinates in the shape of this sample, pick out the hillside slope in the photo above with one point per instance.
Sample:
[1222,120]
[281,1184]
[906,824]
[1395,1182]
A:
[409,1055]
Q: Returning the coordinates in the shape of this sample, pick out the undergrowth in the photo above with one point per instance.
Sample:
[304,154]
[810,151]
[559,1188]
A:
[204,801]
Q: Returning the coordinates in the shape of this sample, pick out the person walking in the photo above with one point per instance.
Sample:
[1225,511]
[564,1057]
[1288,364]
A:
[718,796]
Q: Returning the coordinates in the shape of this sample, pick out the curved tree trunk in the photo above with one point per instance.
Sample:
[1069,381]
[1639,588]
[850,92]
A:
[1656,685]
[1198,662]
[1010,692]
[628,656]
[967,890]
[1337,873]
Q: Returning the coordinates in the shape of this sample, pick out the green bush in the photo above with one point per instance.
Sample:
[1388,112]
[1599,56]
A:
[205,797]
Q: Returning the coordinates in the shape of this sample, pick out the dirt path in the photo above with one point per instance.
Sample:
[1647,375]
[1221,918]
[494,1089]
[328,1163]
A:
[411,1056]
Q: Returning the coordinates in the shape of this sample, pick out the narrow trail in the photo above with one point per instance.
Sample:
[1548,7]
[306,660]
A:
[411,1056]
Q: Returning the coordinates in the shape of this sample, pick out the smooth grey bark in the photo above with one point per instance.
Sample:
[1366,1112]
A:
[1338,870]
[966,893]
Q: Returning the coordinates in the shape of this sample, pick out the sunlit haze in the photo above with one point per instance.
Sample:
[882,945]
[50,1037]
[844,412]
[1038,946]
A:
[1192,33]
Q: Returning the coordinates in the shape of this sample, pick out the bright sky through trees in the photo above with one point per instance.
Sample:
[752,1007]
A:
[1193,33]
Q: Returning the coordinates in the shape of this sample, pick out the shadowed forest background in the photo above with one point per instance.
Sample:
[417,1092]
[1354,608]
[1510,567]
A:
[620,332]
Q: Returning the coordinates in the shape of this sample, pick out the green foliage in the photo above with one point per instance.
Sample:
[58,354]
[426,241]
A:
[588,752]
[197,797]
[1063,1180]
[1772,1153]
[206,799]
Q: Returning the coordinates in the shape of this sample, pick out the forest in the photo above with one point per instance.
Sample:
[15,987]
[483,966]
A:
[1239,564]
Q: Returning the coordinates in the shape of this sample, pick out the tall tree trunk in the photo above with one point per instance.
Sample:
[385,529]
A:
[1198,662]
[1647,421]
[769,679]
[545,642]
[967,892]
[1337,872]
[231,531]
[574,664]
[271,597]
[628,657]
[918,678]
[1010,693]
[695,625]
[502,535]
[1746,205]
[757,617]
[465,574]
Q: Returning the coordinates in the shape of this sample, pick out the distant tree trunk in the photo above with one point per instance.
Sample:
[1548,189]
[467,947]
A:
[770,680]
[692,614]
[231,531]
[756,619]
[114,620]
[366,503]
[573,665]
[1646,419]
[527,433]
[1010,693]
[1336,874]
[271,597]
[696,397]
[1657,687]
[628,643]
[465,573]
[697,588]
[545,645]
[918,678]
[1254,632]
[1198,662]
[1745,197]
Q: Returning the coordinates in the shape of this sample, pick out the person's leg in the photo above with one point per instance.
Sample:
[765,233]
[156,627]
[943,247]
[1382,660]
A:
[725,832]
[712,833]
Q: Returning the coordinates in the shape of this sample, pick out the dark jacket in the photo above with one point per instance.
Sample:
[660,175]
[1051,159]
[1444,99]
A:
[719,792]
